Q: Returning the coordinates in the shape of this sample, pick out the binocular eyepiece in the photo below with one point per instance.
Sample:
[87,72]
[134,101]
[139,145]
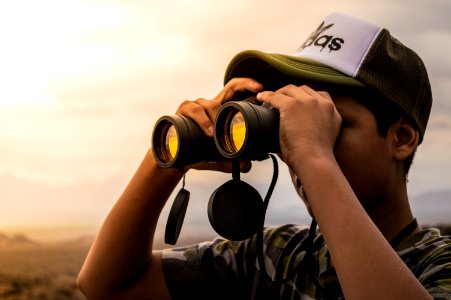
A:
[245,129]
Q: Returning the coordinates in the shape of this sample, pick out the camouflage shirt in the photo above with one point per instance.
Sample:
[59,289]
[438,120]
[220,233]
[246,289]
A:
[223,269]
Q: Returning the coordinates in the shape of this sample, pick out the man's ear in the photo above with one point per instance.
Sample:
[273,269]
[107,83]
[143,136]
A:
[405,139]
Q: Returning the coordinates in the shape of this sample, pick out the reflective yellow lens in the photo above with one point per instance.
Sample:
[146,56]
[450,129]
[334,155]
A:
[237,132]
[171,143]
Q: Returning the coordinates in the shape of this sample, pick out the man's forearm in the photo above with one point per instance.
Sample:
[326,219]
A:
[122,249]
[366,265]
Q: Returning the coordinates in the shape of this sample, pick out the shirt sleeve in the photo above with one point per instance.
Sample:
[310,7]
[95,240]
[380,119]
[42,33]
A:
[223,269]
[428,255]
[436,277]
[219,269]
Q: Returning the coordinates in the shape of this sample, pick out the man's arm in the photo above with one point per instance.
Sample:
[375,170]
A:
[121,255]
[121,264]
[366,265]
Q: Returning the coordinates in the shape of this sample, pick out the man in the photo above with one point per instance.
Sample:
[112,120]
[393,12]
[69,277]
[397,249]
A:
[353,104]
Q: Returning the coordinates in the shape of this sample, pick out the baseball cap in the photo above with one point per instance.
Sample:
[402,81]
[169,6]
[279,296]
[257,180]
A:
[348,52]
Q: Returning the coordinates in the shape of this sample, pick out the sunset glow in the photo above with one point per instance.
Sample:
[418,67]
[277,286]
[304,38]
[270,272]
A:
[84,81]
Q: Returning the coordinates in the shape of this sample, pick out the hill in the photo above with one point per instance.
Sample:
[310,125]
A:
[432,207]
[31,270]
[17,240]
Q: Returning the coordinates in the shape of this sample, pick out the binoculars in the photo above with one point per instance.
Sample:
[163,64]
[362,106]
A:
[244,129]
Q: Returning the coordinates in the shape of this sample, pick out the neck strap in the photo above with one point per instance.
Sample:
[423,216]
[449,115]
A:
[405,232]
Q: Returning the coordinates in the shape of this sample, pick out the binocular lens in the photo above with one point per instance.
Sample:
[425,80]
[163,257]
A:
[235,132]
[178,141]
[246,129]
[171,144]
[168,144]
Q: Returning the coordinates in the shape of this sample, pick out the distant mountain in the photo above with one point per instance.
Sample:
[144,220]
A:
[432,207]
[84,240]
[17,240]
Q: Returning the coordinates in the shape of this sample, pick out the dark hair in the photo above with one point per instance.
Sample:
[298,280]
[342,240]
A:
[386,114]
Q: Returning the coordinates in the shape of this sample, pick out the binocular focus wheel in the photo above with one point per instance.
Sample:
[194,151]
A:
[235,210]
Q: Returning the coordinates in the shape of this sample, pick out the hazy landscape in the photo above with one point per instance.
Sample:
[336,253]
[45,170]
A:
[34,269]
[45,270]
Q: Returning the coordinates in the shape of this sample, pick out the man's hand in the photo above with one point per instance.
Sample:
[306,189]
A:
[309,122]
[204,111]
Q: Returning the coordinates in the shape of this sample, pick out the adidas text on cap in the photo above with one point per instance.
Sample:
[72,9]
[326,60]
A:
[347,51]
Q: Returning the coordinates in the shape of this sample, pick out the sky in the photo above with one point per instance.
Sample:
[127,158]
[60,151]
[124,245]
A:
[83,82]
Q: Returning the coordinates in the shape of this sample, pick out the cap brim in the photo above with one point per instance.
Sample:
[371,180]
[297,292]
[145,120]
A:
[276,70]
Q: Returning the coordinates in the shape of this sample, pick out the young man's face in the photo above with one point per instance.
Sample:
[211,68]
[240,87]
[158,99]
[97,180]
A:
[361,152]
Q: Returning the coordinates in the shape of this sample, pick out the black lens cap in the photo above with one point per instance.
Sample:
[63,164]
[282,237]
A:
[176,217]
[235,210]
